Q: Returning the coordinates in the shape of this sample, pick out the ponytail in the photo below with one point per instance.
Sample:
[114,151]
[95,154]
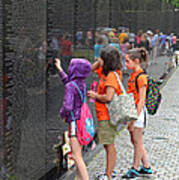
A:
[143,53]
[138,53]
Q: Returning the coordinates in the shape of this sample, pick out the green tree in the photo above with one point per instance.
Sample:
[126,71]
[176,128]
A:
[174,2]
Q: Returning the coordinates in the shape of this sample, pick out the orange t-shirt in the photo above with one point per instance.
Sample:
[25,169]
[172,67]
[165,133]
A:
[104,81]
[141,81]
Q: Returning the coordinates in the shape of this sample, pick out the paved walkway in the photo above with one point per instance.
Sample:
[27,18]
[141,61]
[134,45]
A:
[161,140]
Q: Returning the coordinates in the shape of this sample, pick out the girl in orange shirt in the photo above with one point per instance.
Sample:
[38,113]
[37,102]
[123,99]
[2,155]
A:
[108,62]
[134,58]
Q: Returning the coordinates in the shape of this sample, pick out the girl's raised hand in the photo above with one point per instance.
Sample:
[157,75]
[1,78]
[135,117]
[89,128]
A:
[58,64]
[100,61]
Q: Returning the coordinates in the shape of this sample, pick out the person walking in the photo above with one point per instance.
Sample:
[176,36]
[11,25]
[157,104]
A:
[66,51]
[97,47]
[124,48]
[115,43]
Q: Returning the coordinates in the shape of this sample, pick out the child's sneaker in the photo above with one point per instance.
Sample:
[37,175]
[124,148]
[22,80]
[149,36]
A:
[114,174]
[132,173]
[102,177]
[105,177]
[144,170]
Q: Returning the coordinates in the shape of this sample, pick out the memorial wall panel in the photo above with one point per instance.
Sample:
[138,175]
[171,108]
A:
[25,88]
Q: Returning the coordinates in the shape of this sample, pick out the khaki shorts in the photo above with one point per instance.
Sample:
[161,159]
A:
[106,132]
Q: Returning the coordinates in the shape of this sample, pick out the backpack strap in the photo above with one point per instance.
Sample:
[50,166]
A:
[136,85]
[72,114]
[81,94]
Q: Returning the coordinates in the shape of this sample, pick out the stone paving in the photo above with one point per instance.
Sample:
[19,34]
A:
[161,140]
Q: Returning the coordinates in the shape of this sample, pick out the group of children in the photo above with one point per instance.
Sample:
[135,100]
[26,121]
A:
[108,63]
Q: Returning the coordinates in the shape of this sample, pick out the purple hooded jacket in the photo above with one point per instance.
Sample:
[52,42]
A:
[78,70]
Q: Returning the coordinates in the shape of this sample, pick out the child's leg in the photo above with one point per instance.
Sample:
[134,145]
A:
[139,150]
[106,136]
[77,157]
[110,158]
[145,161]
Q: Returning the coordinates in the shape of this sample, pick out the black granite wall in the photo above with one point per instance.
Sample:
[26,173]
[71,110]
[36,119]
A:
[24,88]
[30,92]
[1,85]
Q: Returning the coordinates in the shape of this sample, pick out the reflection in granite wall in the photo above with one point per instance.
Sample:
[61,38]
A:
[65,20]
[60,23]
[24,89]
[151,14]
[1,88]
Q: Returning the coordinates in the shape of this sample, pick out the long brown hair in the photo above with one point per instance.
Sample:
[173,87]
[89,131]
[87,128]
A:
[111,58]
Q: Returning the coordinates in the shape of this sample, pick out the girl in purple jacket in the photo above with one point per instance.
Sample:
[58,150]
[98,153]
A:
[78,70]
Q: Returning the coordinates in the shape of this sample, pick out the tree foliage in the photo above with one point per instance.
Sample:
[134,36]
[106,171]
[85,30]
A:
[174,2]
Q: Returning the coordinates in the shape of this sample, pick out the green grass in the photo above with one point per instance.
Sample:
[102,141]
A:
[85,53]
[12,177]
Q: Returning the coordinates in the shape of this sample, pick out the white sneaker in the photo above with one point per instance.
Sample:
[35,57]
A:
[102,177]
